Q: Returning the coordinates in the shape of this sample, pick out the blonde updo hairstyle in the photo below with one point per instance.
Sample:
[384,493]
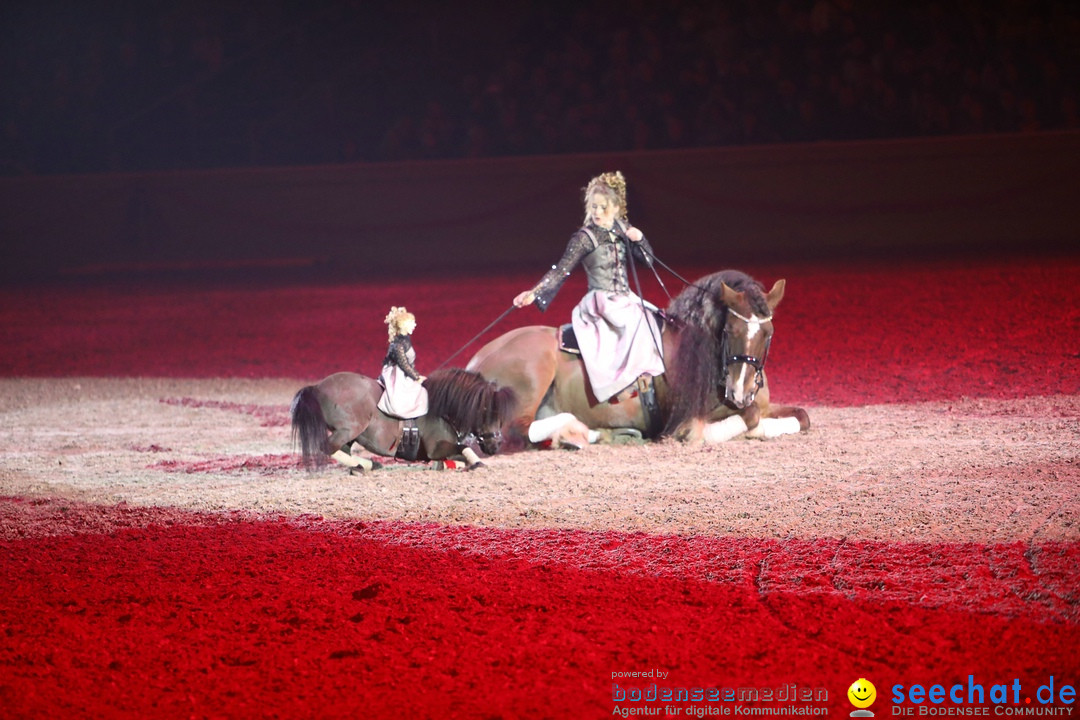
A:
[396,318]
[612,185]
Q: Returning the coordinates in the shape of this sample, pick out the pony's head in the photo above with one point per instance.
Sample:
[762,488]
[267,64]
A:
[725,322]
[471,405]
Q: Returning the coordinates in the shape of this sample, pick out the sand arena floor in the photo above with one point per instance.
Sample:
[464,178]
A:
[964,470]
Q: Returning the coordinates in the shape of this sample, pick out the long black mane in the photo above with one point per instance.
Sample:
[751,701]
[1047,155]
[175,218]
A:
[695,367]
[467,401]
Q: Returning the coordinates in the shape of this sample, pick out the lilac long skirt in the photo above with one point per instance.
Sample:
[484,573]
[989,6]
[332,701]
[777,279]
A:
[403,397]
[619,341]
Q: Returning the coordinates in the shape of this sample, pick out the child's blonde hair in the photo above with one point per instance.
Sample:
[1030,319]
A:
[396,318]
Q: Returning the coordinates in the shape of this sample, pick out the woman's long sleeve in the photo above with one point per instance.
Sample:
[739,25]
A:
[545,290]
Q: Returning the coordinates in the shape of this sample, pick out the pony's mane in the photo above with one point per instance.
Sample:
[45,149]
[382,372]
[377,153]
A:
[467,401]
[699,315]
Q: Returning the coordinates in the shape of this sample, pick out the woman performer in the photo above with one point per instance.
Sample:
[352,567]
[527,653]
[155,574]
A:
[404,396]
[616,331]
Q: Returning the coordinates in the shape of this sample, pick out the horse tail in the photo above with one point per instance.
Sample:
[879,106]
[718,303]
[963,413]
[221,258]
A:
[309,427]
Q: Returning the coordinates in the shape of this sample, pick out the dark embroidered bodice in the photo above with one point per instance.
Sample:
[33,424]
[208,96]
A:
[602,253]
[399,354]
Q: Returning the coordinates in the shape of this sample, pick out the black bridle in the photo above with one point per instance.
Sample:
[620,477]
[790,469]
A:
[479,437]
[730,358]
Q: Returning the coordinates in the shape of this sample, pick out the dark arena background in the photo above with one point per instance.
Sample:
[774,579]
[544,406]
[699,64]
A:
[205,206]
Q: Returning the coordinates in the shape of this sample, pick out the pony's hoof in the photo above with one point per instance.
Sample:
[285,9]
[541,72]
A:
[627,436]
[475,465]
[365,467]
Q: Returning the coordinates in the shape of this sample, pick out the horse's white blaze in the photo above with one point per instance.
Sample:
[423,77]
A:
[541,430]
[740,384]
[775,427]
[724,430]
[753,327]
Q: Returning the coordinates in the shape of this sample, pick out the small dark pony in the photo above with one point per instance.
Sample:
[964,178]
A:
[715,343]
[464,409]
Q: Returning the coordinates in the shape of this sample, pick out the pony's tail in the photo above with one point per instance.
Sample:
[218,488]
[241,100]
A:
[309,427]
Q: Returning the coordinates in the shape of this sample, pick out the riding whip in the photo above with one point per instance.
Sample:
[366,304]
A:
[492,324]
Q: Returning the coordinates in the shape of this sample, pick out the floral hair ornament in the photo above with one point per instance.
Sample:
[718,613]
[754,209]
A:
[396,318]
[611,184]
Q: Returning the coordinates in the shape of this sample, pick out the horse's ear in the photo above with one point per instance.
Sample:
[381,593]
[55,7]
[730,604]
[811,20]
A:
[730,297]
[776,294]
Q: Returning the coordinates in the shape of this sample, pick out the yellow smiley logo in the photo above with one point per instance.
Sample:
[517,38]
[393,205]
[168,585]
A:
[862,693]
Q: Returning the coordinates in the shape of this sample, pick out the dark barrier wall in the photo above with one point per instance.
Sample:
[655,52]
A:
[698,206]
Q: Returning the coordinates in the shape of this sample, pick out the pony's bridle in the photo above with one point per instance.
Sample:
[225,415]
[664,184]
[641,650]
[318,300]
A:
[731,359]
[478,437]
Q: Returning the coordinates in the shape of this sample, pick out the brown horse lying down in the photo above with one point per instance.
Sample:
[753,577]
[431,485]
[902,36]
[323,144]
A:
[715,339]
[463,409]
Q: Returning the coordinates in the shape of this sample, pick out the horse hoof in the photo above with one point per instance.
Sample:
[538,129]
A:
[627,436]
[804,419]
[365,467]
[567,445]
[475,466]
[692,431]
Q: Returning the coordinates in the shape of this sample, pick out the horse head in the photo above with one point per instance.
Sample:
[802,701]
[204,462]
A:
[744,343]
[475,408]
[499,404]
[722,329]
[490,440]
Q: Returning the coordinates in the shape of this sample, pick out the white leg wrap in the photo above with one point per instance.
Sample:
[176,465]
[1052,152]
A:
[724,430]
[351,462]
[775,427]
[542,430]
[470,456]
[345,459]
